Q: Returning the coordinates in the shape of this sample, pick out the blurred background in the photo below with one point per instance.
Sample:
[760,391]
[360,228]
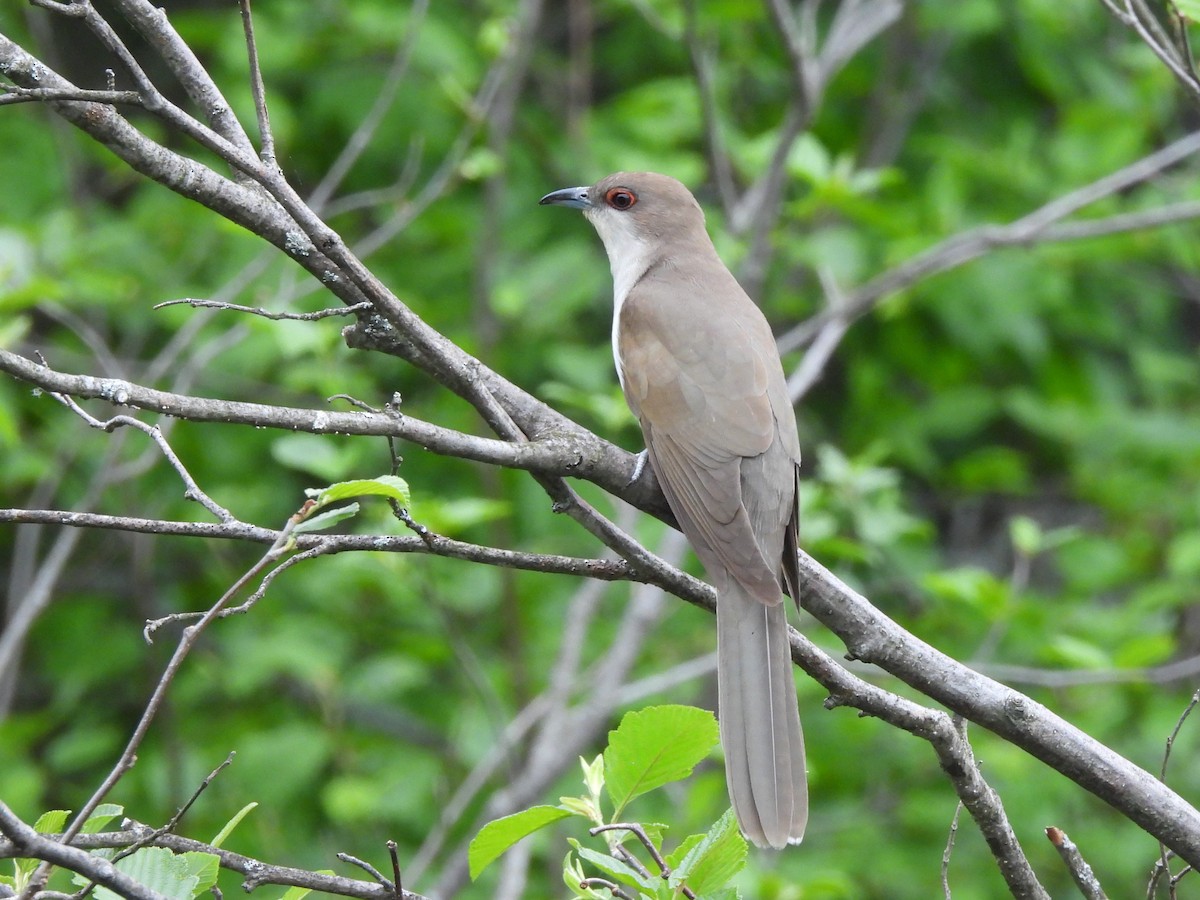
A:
[1005,456]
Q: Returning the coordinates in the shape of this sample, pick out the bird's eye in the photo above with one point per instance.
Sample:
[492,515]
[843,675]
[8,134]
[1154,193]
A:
[620,198]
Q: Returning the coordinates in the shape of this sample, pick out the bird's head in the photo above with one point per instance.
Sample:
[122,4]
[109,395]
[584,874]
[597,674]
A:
[633,211]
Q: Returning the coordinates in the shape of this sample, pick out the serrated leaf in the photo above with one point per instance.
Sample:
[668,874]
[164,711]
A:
[676,857]
[232,824]
[618,870]
[51,821]
[101,816]
[654,746]
[711,863]
[498,835]
[158,869]
[391,486]
[573,876]
[327,519]
[205,866]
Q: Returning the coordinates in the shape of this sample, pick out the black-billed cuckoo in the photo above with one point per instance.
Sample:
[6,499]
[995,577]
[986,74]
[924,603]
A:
[699,367]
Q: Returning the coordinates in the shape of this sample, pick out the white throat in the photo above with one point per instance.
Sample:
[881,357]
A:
[629,256]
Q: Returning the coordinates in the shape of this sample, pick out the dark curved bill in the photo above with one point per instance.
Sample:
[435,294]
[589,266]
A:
[576,198]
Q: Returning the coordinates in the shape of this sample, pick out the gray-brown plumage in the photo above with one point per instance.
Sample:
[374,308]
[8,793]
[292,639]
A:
[699,368]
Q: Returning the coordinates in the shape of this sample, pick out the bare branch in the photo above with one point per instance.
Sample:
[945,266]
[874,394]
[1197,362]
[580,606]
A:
[950,849]
[258,89]
[820,351]
[435,545]
[25,842]
[872,637]
[1035,227]
[187,640]
[1167,673]
[1081,873]
[192,490]
[954,753]
[267,313]
[1137,15]
[152,24]
[365,131]
[11,94]
[592,459]
[76,857]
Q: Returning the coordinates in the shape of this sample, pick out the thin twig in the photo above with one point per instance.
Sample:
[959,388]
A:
[54,852]
[267,313]
[11,94]
[1175,734]
[256,872]
[1039,226]
[611,886]
[949,850]
[639,832]
[1081,873]
[397,886]
[192,490]
[168,828]
[128,756]
[257,88]
[1163,853]
[368,868]
[385,96]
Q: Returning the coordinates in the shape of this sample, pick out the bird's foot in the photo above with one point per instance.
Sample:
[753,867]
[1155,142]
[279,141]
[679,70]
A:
[639,466]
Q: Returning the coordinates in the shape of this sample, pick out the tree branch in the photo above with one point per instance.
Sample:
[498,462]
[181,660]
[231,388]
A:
[1035,227]
[23,841]
[76,857]
[872,637]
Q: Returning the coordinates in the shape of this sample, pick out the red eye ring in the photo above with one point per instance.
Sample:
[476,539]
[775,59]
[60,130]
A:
[620,198]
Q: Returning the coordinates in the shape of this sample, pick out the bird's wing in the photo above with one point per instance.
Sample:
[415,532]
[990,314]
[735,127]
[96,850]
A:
[709,392]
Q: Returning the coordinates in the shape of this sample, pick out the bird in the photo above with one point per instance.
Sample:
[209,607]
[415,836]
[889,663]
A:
[700,370]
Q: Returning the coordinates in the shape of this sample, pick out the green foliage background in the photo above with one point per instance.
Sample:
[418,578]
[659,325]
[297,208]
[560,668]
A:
[1005,457]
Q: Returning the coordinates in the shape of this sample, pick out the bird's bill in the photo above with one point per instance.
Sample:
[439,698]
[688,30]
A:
[575,197]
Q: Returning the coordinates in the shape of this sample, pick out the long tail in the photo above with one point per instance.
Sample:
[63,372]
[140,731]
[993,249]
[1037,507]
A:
[760,721]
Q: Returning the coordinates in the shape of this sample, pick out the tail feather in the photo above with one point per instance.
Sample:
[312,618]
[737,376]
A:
[760,721]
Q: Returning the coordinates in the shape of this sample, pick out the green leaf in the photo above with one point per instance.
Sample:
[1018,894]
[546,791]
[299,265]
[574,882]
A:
[327,519]
[232,824]
[581,806]
[158,869]
[101,816]
[573,876]
[391,486]
[676,857]
[593,774]
[498,835]
[710,864]
[616,869]
[654,746]
[205,866]
[51,821]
